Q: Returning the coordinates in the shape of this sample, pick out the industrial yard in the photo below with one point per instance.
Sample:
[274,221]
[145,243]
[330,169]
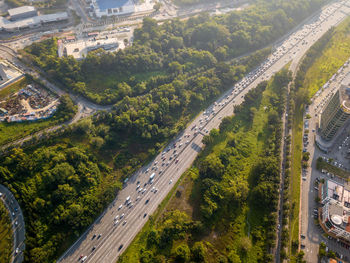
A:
[30,103]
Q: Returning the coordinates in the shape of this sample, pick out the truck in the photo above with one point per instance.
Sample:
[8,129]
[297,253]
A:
[152,176]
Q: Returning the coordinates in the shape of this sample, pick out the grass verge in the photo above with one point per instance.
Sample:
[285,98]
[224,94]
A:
[5,235]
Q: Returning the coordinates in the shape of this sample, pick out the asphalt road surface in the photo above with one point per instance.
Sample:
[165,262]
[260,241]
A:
[17,220]
[106,239]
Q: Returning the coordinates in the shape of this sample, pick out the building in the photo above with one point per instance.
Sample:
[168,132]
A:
[3,75]
[112,7]
[335,216]
[336,113]
[22,12]
[31,22]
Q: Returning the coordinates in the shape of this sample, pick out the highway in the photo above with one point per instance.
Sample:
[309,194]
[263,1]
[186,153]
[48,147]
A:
[114,238]
[17,220]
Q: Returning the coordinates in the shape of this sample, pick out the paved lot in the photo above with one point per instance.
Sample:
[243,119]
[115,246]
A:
[17,220]
[115,238]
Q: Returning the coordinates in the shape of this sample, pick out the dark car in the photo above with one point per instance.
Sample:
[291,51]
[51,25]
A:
[120,247]
[93,248]
[145,214]
[146,201]
[93,236]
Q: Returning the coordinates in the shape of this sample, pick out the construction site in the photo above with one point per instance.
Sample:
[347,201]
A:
[30,103]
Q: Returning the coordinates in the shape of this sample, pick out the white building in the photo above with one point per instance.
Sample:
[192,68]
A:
[22,12]
[32,22]
[335,215]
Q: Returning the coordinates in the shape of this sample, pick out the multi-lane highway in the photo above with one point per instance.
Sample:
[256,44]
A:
[17,220]
[107,238]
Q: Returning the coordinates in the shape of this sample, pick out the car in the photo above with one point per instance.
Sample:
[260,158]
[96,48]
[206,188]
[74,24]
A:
[17,251]
[144,190]
[138,182]
[99,236]
[171,181]
[124,223]
[144,215]
[116,222]
[137,187]
[93,248]
[177,160]
[84,259]
[120,247]
[146,201]
[116,217]
[120,207]
[121,216]
[16,223]
[93,236]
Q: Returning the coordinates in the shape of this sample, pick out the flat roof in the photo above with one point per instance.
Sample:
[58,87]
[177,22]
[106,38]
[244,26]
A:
[21,10]
[31,21]
[110,4]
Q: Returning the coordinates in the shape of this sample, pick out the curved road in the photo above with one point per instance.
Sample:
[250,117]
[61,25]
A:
[17,220]
[85,107]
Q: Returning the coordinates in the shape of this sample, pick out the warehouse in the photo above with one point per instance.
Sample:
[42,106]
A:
[22,12]
[32,22]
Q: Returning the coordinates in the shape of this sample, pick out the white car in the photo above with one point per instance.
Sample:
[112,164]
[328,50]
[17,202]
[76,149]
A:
[120,207]
[121,216]
[171,181]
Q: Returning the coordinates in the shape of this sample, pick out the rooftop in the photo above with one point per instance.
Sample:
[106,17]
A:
[21,10]
[109,4]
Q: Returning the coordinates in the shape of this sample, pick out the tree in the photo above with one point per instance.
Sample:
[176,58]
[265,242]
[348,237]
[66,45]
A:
[199,252]
[157,6]
[233,257]
[182,253]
